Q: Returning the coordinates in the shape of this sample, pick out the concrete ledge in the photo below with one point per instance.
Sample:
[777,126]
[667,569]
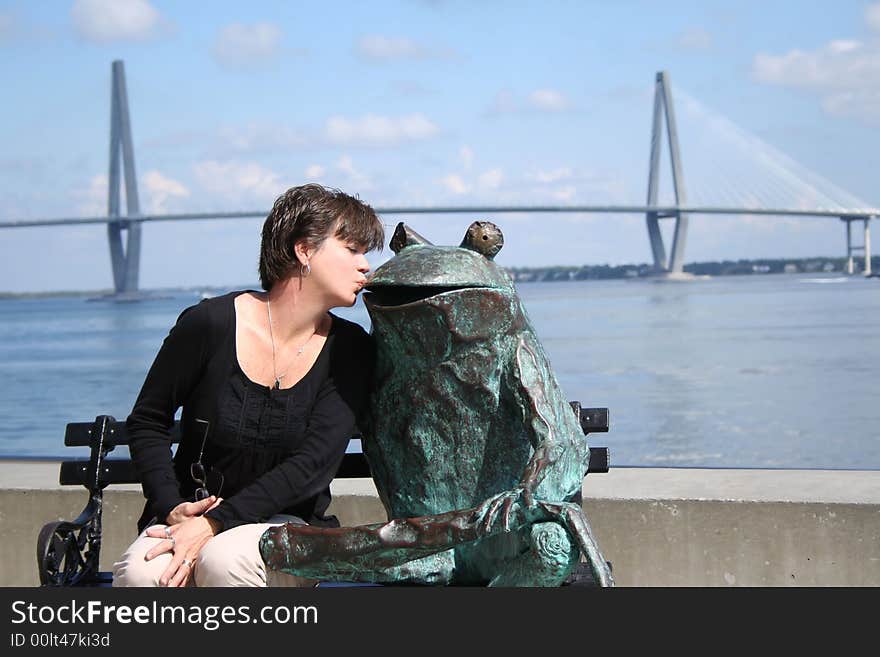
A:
[658,526]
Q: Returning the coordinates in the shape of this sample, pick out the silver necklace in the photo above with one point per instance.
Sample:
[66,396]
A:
[299,351]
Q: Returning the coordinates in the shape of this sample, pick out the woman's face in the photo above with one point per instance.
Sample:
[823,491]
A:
[339,271]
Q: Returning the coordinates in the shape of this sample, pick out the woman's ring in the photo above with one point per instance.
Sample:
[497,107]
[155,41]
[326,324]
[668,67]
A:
[187,563]
[168,532]
[173,542]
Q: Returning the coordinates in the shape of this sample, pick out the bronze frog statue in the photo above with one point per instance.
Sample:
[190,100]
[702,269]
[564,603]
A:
[475,451]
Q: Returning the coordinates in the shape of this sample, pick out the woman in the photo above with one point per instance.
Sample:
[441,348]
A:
[271,386]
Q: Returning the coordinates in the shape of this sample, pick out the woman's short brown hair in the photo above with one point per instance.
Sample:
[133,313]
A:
[311,212]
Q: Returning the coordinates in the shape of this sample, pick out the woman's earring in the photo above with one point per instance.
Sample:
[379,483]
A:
[305,270]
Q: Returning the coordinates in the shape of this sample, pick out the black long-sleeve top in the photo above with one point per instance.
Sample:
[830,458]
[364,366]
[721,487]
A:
[277,450]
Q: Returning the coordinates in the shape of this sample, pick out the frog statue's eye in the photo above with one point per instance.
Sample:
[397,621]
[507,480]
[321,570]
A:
[483,237]
[405,236]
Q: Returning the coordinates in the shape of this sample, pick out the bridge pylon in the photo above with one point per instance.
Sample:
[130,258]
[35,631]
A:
[125,262]
[852,249]
[663,109]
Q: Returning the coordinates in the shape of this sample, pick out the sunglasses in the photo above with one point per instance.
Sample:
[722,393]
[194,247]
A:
[200,475]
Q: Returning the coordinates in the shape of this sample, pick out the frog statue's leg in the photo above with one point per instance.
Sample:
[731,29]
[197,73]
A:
[540,545]
[573,519]
[421,550]
[538,554]
[533,547]
[548,471]
[412,550]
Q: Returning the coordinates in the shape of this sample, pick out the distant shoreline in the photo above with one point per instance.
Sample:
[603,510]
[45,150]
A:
[747,267]
[552,273]
[158,292]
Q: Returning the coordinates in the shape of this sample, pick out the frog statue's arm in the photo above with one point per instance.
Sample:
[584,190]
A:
[530,379]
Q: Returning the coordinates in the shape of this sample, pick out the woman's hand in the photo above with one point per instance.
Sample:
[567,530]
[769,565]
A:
[185,541]
[186,510]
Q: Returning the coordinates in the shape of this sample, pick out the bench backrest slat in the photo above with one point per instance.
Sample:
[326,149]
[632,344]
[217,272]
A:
[79,434]
[113,471]
[354,465]
[122,471]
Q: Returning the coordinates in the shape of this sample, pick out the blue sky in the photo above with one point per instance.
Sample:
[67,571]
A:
[431,103]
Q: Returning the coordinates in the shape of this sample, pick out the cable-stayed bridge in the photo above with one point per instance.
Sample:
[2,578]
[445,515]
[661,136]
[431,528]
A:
[762,183]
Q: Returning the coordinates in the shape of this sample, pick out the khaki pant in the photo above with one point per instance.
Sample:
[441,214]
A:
[231,558]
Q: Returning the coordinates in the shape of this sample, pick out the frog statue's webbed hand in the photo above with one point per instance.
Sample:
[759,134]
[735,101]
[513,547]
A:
[517,503]
[504,503]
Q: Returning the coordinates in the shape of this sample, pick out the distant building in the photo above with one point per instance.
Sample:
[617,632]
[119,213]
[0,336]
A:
[790,268]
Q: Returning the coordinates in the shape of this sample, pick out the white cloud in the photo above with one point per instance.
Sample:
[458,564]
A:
[467,157]
[382,47]
[106,21]
[694,39]
[491,179]
[315,172]
[262,137]
[845,74]
[410,88]
[160,189]
[503,103]
[862,103]
[568,185]
[565,193]
[555,175]
[841,46]
[253,139]
[238,181]
[240,46]
[549,100]
[454,183]
[91,200]
[561,184]
[373,130]
[543,100]
[872,16]
[357,180]
[379,48]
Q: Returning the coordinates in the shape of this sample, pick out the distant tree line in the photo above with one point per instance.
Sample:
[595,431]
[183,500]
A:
[712,268]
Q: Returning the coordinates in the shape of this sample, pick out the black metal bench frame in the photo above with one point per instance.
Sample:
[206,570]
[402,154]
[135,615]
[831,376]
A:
[68,551]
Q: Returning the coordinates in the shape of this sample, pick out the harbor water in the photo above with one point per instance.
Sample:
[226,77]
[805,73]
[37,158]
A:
[763,371]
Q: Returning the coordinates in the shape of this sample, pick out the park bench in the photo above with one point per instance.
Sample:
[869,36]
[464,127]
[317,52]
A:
[68,551]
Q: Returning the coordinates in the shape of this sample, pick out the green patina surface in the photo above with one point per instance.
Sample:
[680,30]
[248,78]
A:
[475,451]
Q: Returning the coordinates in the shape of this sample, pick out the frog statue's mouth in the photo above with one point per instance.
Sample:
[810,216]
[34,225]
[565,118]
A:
[421,270]
[388,296]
